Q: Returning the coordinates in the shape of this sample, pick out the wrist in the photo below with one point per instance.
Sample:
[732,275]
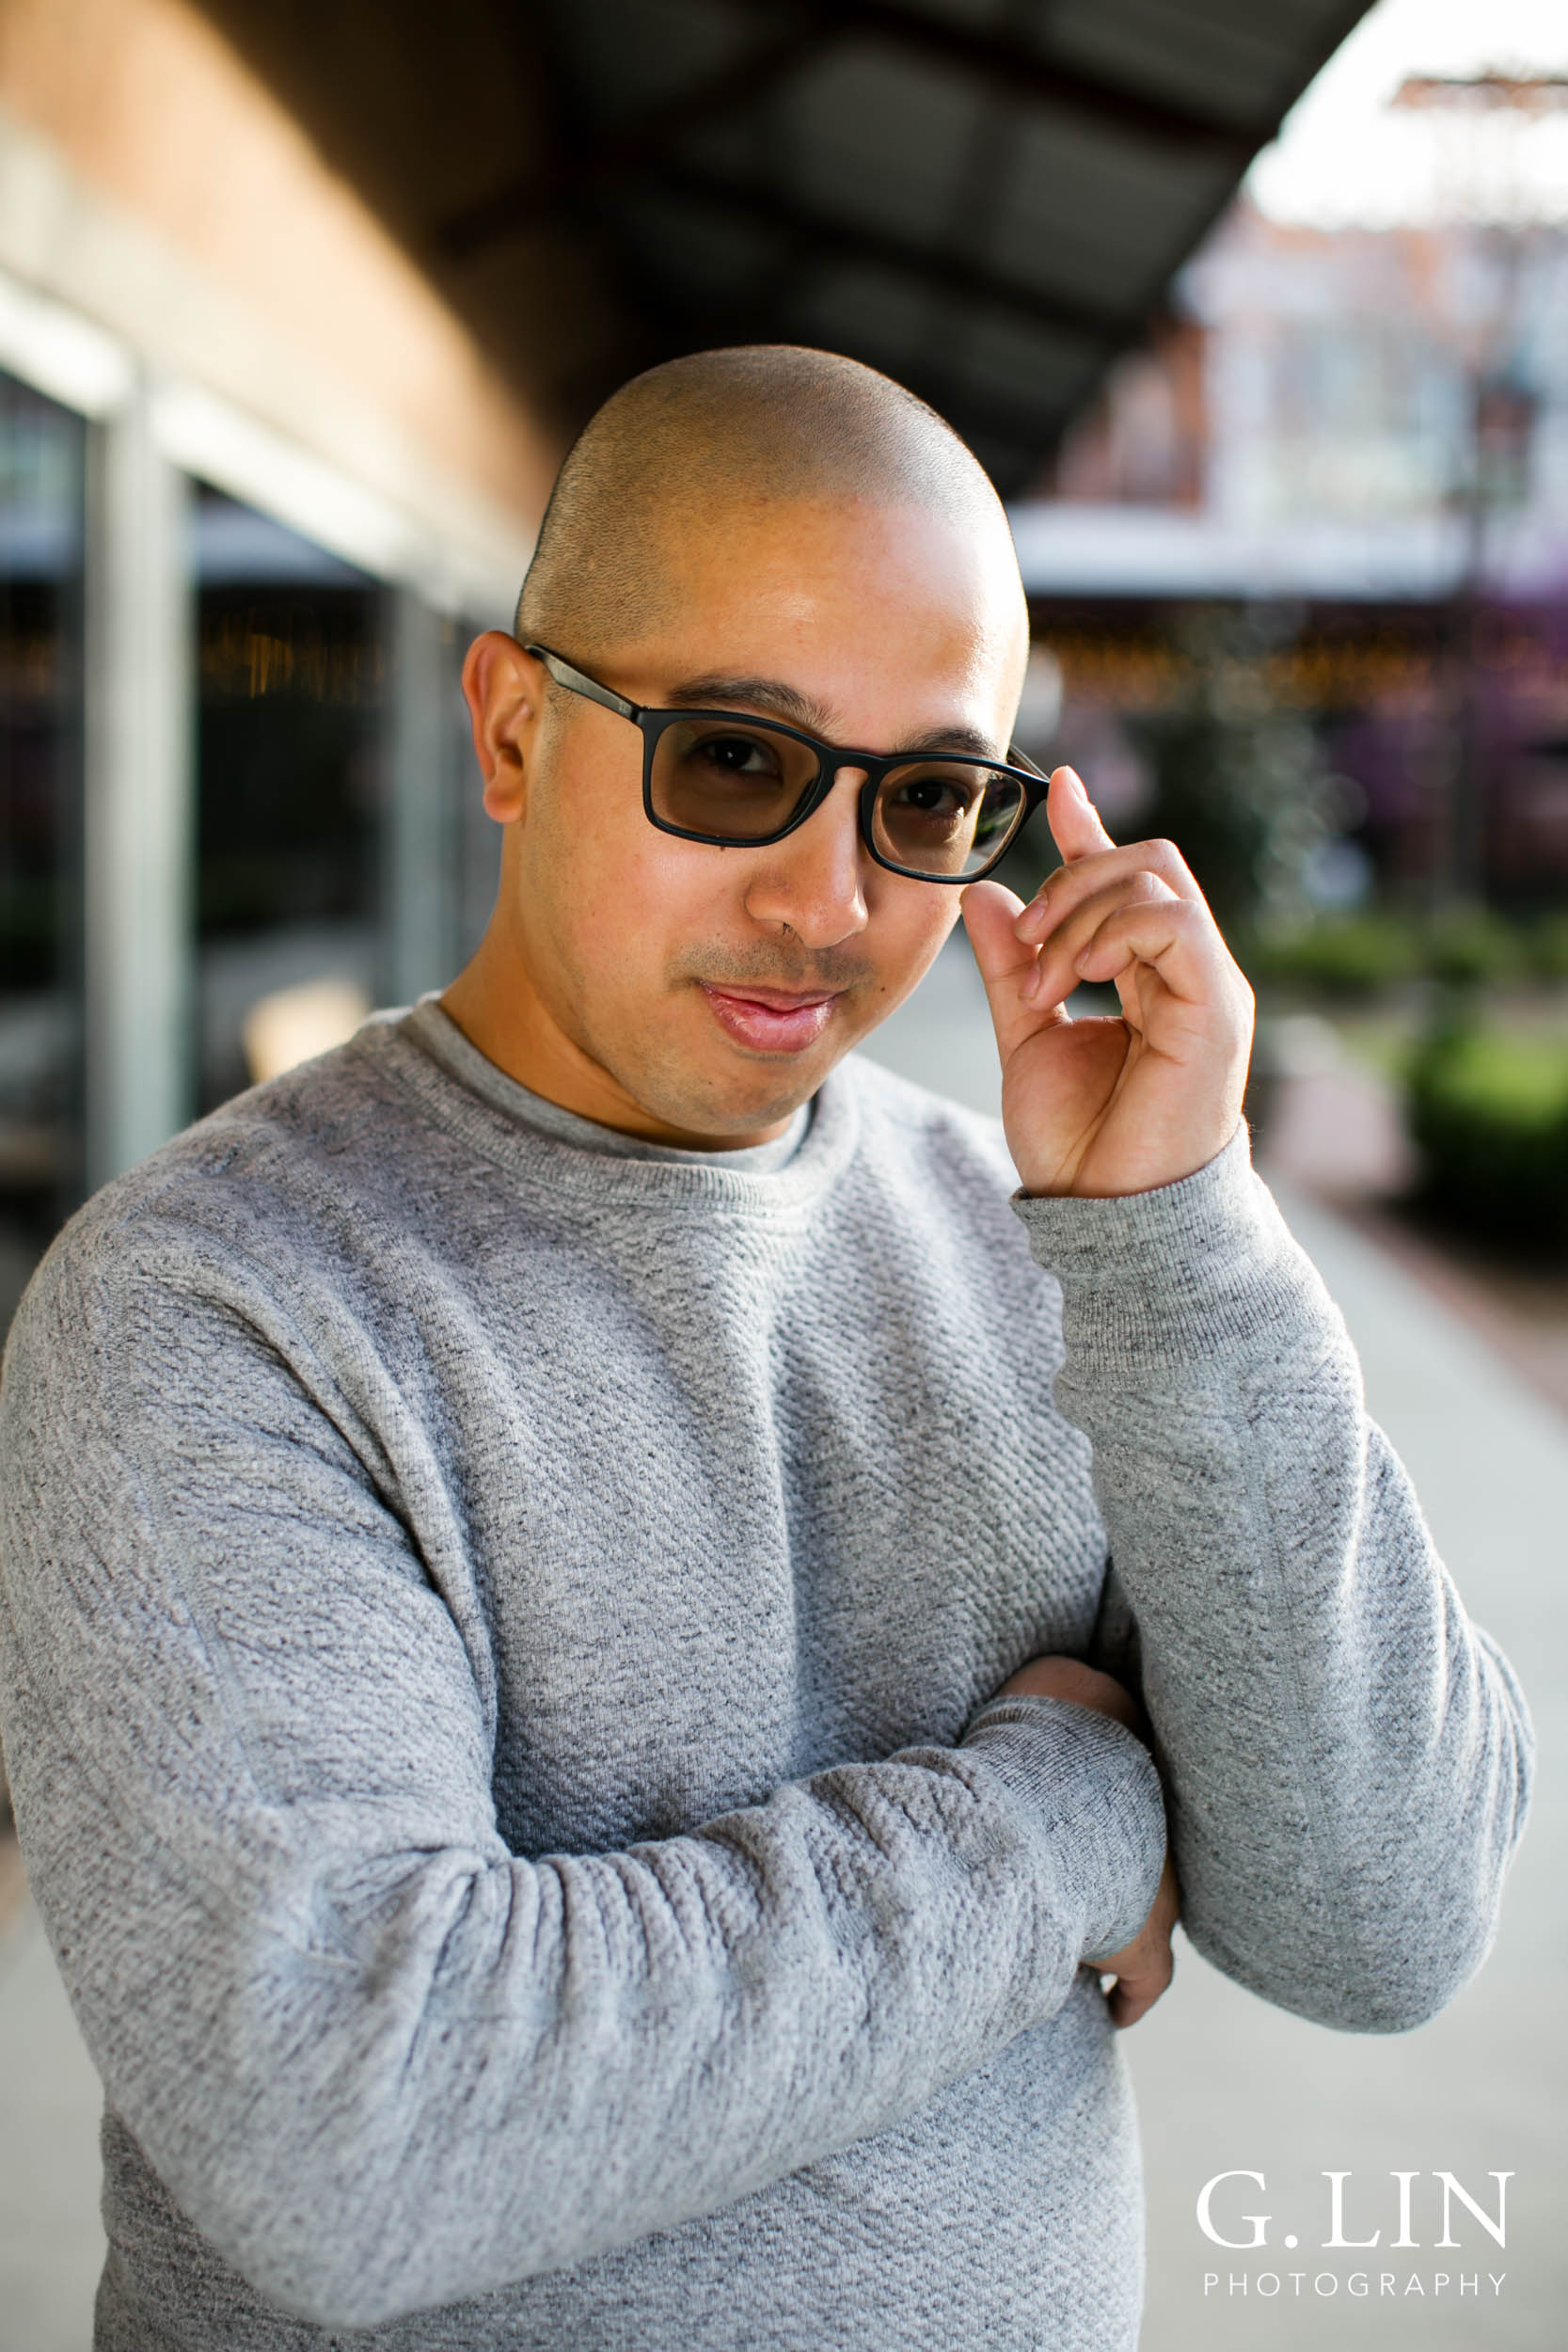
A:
[1186,1274]
[1080,1685]
[1090,1789]
[1152,1166]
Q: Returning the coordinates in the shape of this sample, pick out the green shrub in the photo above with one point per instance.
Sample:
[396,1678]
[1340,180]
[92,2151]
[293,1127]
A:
[1471,950]
[1361,954]
[1545,947]
[1241,783]
[1489,1116]
[1344,955]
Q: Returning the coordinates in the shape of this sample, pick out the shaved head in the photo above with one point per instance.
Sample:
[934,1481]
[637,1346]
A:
[682,448]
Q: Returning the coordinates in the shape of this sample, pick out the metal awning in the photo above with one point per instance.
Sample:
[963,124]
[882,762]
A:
[985,197]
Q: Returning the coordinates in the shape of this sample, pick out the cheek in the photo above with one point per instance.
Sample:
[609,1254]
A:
[908,929]
[629,903]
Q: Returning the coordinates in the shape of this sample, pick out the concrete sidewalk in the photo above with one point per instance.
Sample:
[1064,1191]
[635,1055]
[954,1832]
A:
[51,2239]
[1224,2083]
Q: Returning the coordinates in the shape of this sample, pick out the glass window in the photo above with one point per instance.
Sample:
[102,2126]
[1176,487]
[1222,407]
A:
[41,454]
[289,765]
[299,888]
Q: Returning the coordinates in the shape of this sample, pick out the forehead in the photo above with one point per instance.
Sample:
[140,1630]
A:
[892,615]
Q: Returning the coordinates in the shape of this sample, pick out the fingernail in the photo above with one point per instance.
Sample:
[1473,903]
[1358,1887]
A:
[1031,987]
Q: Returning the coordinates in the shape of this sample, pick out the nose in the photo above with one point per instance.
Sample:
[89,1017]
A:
[813,880]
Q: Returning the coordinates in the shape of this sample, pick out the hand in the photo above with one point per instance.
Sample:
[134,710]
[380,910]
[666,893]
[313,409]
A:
[1104,1106]
[1070,1678]
[1144,1967]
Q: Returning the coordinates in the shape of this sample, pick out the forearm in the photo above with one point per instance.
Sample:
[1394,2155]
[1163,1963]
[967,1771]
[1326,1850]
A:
[393,2079]
[1346,1758]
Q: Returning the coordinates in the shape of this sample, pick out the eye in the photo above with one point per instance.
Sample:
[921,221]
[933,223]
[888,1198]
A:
[939,796]
[948,819]
[731,755]
[723,780]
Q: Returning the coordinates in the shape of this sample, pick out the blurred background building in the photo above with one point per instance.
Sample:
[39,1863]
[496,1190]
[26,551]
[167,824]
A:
[1362,435]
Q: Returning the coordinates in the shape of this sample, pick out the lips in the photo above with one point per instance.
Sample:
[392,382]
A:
[770,1020]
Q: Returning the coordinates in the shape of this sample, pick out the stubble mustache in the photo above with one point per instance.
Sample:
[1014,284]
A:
[827,971]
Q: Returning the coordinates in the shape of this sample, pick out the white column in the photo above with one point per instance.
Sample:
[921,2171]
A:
[139,824]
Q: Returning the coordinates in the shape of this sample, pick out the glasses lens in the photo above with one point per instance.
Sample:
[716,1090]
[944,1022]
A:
[733,781]
[945,819]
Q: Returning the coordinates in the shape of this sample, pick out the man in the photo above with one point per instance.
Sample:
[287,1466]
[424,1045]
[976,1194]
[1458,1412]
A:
[558,1639]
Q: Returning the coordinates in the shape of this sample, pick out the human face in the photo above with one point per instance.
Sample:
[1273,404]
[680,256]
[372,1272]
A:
[694,994]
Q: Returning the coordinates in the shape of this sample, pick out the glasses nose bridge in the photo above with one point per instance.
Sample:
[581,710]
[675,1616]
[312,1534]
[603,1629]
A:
[833,763]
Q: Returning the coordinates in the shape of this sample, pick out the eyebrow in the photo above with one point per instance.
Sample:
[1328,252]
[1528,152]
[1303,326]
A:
[775,698]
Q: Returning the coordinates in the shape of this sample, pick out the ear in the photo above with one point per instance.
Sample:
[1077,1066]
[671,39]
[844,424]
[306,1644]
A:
[504,688]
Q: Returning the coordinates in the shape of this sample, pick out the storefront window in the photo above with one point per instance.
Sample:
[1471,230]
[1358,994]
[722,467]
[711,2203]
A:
[317,897]
[41,455]
[290,782]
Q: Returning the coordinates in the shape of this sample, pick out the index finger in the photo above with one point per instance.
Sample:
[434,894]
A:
[1100,869]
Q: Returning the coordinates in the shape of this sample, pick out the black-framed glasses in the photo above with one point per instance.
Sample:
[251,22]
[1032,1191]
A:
[723,777]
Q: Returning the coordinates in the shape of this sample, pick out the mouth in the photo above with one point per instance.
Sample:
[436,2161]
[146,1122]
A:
[772,1020]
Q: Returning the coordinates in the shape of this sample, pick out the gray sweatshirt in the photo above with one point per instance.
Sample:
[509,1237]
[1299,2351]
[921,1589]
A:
[497,1639]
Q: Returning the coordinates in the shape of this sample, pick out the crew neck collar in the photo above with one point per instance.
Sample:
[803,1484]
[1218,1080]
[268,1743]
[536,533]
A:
[466,1091]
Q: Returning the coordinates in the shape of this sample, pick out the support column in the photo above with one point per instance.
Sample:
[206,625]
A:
[139,827]
[419,913]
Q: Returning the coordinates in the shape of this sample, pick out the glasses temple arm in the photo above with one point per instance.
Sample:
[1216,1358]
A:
[1022,759]
[578,682]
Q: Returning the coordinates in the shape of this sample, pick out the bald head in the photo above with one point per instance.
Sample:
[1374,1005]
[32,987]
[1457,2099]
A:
[681,448]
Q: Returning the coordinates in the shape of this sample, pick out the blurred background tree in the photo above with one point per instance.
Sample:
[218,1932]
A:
[1240,782]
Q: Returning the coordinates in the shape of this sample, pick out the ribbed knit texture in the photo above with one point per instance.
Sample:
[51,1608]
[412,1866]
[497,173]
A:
[496,1641]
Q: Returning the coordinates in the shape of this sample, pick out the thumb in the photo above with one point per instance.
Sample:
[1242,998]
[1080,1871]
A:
[989,913]
[1073,818]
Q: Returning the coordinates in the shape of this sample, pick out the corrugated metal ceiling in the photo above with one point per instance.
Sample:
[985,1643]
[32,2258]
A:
[985,197]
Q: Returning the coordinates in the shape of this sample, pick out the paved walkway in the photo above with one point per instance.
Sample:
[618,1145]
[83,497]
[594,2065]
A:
[51,2240]
[1224,2082]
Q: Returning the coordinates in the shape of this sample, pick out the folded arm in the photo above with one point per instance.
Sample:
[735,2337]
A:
[1346,1756]
[382,2062]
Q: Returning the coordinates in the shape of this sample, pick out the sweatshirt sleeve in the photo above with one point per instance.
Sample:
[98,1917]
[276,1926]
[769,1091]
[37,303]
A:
[382,2062]
[1346,1758]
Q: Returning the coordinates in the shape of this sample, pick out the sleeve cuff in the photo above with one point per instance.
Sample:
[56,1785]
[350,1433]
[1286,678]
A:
[1178,1273]
[1093,1789]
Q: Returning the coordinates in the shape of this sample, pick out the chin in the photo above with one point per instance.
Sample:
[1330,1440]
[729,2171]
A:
[717,1105]
[734,1118]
